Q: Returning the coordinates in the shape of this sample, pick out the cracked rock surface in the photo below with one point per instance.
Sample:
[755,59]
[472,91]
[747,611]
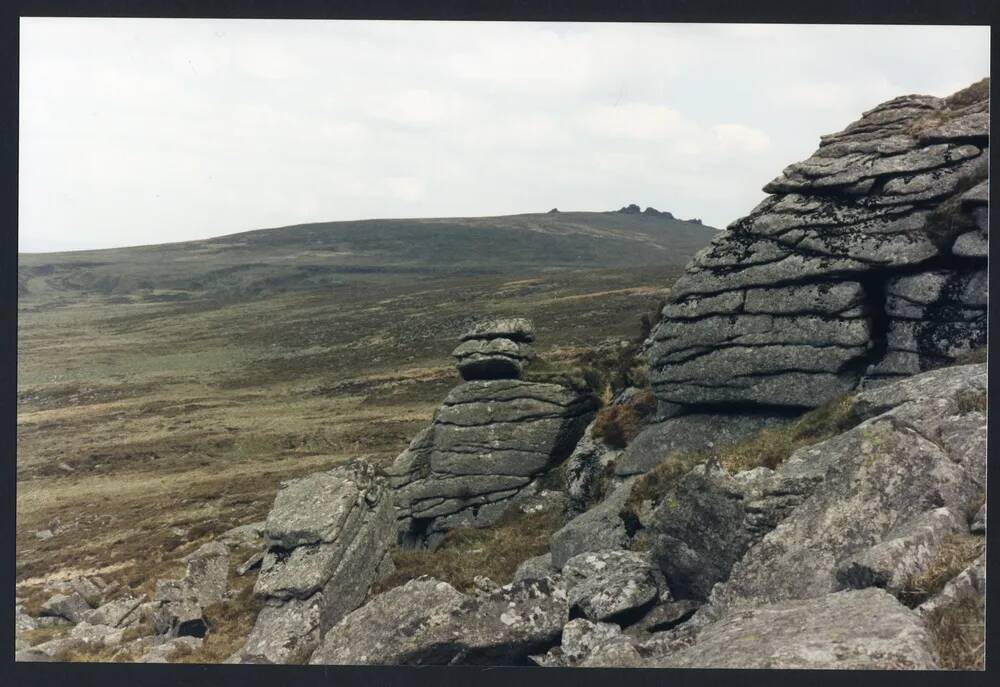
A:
[866,263]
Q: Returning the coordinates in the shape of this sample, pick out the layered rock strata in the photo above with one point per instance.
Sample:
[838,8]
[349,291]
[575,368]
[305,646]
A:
[485,449]
[866,261]
[328,537]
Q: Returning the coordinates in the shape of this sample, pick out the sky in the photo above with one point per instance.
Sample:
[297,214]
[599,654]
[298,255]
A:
[141,131]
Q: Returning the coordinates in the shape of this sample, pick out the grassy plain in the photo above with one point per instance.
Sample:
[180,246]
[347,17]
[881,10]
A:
[145,428]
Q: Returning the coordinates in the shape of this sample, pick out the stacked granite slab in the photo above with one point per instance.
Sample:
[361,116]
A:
[328,538]
[867,261]
[492,438]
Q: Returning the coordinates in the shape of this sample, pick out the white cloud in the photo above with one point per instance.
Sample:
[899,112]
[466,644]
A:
[140,131]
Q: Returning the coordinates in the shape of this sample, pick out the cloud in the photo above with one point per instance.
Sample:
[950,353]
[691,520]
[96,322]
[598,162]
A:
[145,130]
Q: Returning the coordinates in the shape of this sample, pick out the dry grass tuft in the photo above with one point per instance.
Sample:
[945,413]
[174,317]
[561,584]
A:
[617,425]
[973,357]
[970,95]
[768,448]
[959,633]
[954,556]
[773,445]
[970,401]
[465,553]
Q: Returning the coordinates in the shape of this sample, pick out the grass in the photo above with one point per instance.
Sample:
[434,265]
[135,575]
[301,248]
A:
[973,357]
[970,401]
[958,630]
[769,448]
[494,552]
[617,425]
[179,420]
[955,555]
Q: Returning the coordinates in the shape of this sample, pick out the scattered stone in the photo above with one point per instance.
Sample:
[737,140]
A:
[586,470]
[44,535]
[97,636]
[585,642]
[163,652]
[120,612]
[251,534]
[177,612]
[72,607]
[665,616]
[207,573]
[252,563]
[968,584]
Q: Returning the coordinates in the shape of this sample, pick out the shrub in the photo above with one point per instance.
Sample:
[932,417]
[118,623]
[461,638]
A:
[617,425]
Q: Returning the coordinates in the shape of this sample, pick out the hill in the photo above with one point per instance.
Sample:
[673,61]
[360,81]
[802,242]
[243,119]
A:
[300,257]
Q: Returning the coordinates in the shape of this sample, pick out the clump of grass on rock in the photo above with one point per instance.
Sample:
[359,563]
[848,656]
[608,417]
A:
[466,553]
[617,425]
[769,448]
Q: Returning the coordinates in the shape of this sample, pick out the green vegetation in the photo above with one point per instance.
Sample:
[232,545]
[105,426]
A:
[466,553]
[769,448]
[973,357]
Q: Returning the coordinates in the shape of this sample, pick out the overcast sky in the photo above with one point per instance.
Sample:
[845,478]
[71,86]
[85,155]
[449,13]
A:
[136,131]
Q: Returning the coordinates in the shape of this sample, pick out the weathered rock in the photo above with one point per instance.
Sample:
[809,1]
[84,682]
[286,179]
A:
[685,434]
[886,499]
[613,585]
[788,307]
[426,622]
[589,643]
[251,563]
[978,525]
[97,636]
[328,535]
[488,443]
[536,568]
[492,358]
[968,584]
[251,534]
[665,616]
[207,573]
[176,612]
[586,468]
[72,607]
[163,652]
[598,529]
[710,518]
[120,612]
[514,328]
[849,630]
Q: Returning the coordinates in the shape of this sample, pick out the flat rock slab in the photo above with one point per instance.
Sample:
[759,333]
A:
[598,529]
[685,434]
[427,622]
[852,630]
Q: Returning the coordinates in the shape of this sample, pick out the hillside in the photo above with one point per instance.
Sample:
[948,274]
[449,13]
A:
[301,257]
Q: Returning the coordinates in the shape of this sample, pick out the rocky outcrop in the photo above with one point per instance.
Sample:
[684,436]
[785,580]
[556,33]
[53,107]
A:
[866,262]
[488,444]
[495,349]
[327,537]
[869,507]
[427,622]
